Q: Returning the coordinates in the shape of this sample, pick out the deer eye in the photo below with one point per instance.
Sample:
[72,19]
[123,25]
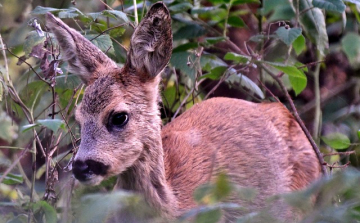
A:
[118,120]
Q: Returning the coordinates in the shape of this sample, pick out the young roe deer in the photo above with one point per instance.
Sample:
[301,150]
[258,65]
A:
[256,145]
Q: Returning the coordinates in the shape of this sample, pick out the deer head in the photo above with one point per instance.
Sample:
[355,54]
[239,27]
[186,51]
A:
[119,113]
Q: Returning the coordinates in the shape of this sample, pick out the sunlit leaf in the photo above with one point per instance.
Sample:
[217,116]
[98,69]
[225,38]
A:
[297,77]
[337,140]
[237,58]
[11,179]
[215,73]
[299,44]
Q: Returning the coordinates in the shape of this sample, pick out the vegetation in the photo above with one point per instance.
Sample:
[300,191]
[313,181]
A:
[303,53]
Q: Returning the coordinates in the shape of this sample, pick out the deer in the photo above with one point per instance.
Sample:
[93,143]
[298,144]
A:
[258,145]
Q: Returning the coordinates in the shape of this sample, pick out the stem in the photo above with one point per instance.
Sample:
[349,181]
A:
[228,6]
[317,118]
[135,13]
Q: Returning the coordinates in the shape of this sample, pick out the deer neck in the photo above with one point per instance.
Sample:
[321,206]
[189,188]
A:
[147,175]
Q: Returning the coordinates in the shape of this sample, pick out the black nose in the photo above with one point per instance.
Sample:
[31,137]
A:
[85,170]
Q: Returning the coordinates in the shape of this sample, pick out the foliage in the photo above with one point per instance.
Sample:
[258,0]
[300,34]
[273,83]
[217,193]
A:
[286,43]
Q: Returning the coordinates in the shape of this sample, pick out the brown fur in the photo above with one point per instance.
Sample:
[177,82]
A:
[257,145]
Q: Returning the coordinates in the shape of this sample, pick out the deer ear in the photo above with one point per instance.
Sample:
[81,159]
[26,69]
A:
[84,58]
[151,43]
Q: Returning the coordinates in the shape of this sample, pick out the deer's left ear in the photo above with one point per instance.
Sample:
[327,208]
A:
[151,43]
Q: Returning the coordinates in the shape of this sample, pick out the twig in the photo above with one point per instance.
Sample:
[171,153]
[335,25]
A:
[339,153]
[109,29]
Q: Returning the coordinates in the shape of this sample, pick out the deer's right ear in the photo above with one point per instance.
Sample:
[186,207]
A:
[84,58]
[151,43]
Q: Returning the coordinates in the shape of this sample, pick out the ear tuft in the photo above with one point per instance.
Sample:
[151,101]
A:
[84,58]
[151,43]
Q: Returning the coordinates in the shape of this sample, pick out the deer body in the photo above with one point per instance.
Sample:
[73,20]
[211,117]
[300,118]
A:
[256,145]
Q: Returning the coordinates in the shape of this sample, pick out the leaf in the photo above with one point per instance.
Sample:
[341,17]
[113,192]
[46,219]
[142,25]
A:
[297,78]
[103,42]
[299,44]
[69,13]
[11,179]
[185,47]
[351,46]
[31,40]
[214,40]
[357,2]
[358,134]
[39,10]
[189,31]
[26,128]
[237,2]
[337,141]
[181,7]
[288,35]
[313,23]
[330,5]
[33,92]
[119,15]
[215,73]
[236,21]
[237,58]
[53,124]
[245,82]
[49,211]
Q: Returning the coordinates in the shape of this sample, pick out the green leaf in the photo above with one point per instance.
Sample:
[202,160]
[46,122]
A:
[219,1]
[299,44]
[288,35]
[117,15]
[358,134]
[297,78]
[32,92]
[336,141]
[214,40]
[237,58]
[185,47]
[26,128]
[181,7]
[238,2]
[53,124]
[11,179]
[49,211]
[313,22]
[31,40]
[189,31]
[351,46]
[70,13]
[235,21]
[103,42]
[330,5]
[215,73]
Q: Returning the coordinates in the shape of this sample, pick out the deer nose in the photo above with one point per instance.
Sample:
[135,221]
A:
[84,171]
